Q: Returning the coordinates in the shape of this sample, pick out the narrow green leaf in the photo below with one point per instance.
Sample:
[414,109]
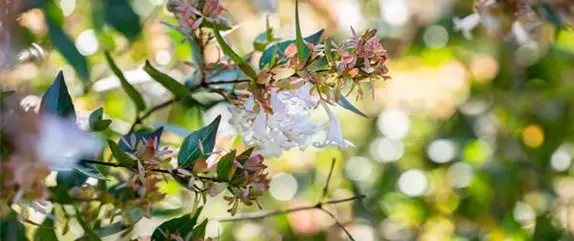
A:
[199,231]
[328,53]
[343,102]
[111,229]
[548,13]
[182,225]
[68,49]
[120,15]
[245,67]
[225,165]
[89,170]
[130,90]
[195,52]
[120,155]
[190,151]
[298,36]
[57,100]
[46,231]
[178,89]
[97,123]
[89,234]
[244,156]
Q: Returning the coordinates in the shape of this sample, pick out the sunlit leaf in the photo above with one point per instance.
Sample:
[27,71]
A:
[128,88]
[46,231]
[57,100]
[190,150]
[225,166]
[178,89]
[244,66]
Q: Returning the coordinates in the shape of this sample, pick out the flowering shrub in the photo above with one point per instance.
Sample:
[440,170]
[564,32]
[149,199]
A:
[271,108]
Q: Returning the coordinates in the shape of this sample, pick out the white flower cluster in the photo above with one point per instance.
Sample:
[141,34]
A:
[289,125]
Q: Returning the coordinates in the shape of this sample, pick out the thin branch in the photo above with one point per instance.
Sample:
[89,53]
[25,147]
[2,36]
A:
[339,224]
[260,215]
[158,170]
[326,188]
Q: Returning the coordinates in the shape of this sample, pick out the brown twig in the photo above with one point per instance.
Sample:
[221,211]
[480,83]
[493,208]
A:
[319,206]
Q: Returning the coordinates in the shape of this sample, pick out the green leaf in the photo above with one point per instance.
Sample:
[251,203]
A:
[279,49]
[199,231]
[545,230]
[97,123]
[67,48]
[11,228]
[195,52]
[178,89]
[225,165]
[139,136]
[89,234]
[301,53]
[57,100]
[328,53]
[343,102]
[208,24]
[130,90]
[46,231]
[244,156]
[89,170]
[244,66]
[120,15]
[178,130]
[120,155]
[190,151]
[111,229]
[182,225]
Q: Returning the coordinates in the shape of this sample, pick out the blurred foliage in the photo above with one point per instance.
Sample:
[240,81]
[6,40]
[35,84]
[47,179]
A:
[504,111]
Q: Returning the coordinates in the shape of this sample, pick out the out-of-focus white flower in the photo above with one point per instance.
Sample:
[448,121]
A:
[61,143]
[334,133]
[467,24]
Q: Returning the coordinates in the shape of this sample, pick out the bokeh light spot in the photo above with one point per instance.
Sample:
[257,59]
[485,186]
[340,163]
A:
[533,136]
[394,124]
[283,186]
[413,183]
[561,159]
[87,42]
[441,151]
[435,37]
[387,150]
[460,175]
[359,168]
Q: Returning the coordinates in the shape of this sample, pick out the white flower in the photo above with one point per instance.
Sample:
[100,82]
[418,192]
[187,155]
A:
[289,126]
[334,133]
[61,143]
[467,24]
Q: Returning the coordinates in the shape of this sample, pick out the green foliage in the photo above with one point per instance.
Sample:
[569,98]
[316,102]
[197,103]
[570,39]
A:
[343,102]
[68,49]
[182,226]
[178,89]
[278,50]
[225,167]
[11,228]
[120,155]
[244,66]
[128,88]
[97,123]
[46,231]
[57,100]
[89,170]
[303,51]
[89,234]
[120,15]
[191,150]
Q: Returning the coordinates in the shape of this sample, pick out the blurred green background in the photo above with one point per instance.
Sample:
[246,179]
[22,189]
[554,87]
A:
[471,139]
